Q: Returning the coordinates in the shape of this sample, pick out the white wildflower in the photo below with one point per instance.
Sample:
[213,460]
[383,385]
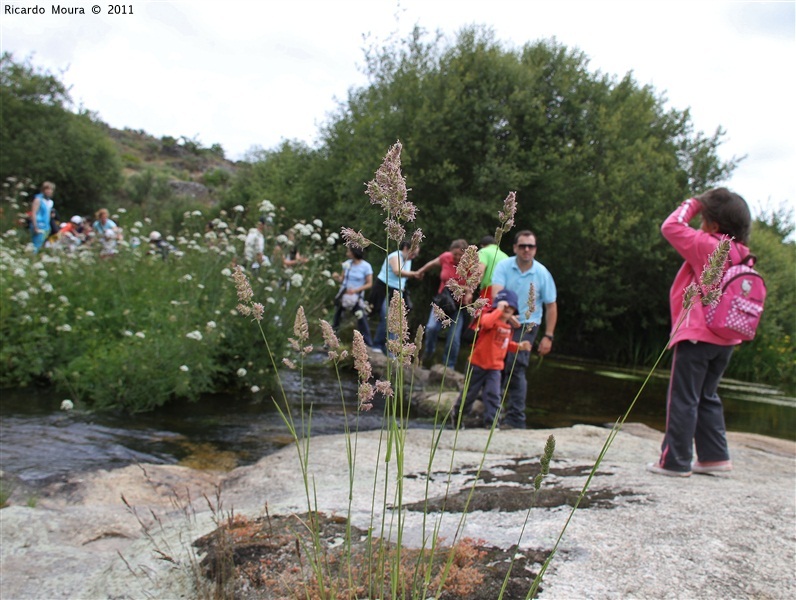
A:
[128,333]
[316,237]
[226,272]
[194,335]
[318,223]
[47,288]
[330,240]
[65,327]
[67,405]
[255,389]
[238,208]
[140,334]
[89,313]
[242,372]
[44,320]
[296,279]
[196,213]
[211,324]
[184,368]
[63,299]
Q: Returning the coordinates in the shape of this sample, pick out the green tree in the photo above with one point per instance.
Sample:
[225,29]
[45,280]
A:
[42,139]
[597,163]
[283,175]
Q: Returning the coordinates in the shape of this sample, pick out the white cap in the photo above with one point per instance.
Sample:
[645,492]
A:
[77,219]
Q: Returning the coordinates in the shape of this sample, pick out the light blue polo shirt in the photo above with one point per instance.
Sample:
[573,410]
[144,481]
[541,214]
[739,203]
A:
[508,274]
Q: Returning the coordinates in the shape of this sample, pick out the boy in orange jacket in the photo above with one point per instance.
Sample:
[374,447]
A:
[491,346]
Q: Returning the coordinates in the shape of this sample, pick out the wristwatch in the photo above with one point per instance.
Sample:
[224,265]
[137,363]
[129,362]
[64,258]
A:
[548,336]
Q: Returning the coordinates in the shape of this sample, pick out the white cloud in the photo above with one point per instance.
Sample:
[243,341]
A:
[244,73]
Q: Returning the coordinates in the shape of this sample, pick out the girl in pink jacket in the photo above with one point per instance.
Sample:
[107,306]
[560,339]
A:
[694,413]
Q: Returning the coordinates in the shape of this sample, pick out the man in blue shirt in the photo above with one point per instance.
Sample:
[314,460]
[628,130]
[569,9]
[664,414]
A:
[517,274]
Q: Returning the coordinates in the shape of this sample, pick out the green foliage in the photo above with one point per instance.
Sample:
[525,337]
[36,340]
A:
[285,173]
[135,331]
[148,188]
[597,163]
[43,140]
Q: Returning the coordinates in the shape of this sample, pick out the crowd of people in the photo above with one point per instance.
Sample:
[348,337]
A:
[522,297]
[522,312]
[49,231]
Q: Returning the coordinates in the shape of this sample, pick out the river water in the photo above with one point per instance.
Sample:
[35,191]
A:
[40,443]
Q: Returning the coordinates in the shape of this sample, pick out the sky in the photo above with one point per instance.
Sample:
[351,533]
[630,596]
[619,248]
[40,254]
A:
[251,74]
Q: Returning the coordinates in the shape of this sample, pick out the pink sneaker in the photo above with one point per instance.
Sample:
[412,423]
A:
[717,466]
[656,468]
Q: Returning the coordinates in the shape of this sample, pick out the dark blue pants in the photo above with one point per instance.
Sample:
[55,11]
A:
[514,382]
[362,324]
[487,380]
[694,413]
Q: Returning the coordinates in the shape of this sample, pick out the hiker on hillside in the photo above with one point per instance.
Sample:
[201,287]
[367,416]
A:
[41,215]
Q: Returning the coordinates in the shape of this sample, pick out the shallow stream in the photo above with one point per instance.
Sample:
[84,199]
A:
[40,443]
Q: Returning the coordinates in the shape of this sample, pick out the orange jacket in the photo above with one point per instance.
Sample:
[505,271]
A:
[493,342]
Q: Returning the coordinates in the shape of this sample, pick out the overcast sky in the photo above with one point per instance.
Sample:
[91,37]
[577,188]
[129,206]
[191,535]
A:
[247,74]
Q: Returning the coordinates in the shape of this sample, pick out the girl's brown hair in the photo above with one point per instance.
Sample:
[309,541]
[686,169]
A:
[729,211]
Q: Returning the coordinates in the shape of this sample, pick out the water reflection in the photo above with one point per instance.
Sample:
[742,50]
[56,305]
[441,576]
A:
[563,393]
[39,443]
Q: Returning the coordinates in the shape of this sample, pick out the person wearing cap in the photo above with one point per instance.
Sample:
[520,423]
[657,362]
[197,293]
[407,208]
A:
[517,274]
[254,246]
[488,358]
[157,245]
[70,235]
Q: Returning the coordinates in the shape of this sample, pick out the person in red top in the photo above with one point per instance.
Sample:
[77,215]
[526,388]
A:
[694,413]
[447,263]
[489,354]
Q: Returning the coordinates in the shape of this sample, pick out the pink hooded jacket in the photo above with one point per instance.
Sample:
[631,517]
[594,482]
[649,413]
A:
[695,246]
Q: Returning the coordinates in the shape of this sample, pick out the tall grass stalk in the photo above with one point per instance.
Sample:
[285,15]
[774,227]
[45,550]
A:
[384,562]
[385,570]
[708,291]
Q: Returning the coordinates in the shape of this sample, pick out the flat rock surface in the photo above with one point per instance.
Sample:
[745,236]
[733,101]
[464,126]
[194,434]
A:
[127,533]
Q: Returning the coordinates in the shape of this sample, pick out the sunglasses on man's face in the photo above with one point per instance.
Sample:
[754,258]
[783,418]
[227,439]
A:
[526,246]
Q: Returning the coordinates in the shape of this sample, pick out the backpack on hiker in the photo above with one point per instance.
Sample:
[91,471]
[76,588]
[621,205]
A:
[743,294]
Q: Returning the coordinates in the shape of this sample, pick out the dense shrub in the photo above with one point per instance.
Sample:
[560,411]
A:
[135,330]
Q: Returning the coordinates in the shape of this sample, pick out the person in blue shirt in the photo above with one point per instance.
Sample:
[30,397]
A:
[356,279]
[394,272]
[517,273]
[41,214]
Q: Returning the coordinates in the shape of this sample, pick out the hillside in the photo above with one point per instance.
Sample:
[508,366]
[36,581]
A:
[189,168]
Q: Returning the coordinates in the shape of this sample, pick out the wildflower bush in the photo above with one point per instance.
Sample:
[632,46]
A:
[135,330]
